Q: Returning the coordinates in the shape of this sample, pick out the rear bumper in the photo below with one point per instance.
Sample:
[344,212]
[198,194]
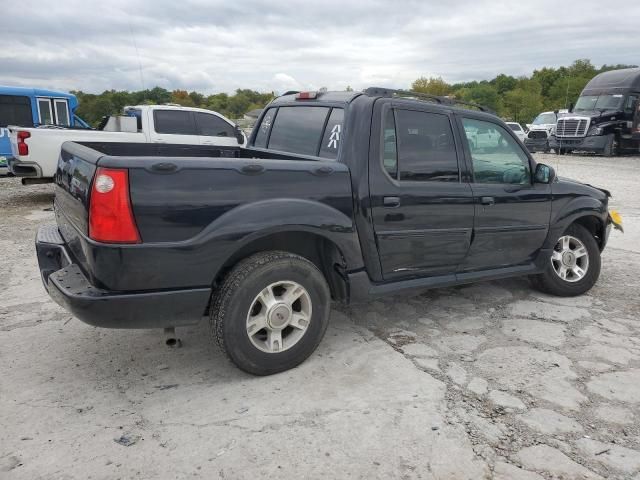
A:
[24,169]
[587,144]
[68,286]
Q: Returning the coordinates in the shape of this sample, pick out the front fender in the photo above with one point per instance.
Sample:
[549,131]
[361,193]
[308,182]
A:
[567,210]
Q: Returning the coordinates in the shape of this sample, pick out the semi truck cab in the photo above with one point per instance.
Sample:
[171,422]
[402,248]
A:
[606,117]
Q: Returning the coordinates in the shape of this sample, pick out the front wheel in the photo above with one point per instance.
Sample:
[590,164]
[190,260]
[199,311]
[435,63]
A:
[611,147]
[574,265]
[271,312]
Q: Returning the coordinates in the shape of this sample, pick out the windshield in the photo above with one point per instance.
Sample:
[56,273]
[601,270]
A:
[598,102]
[545,119]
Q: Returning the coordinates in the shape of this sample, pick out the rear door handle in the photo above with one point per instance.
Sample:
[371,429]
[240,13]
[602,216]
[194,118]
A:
[391,202]
[488,201]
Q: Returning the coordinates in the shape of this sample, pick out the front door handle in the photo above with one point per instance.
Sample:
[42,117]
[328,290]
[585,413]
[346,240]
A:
[391,202]
[488,201]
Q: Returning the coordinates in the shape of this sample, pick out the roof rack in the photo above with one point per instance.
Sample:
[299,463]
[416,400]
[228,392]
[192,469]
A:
[388,92]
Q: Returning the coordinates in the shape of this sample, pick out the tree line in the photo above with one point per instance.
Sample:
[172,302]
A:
[521,99]
[518,99]
[92,107]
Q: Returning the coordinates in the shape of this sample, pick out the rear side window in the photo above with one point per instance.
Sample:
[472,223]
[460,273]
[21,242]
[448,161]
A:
[298,129]
[332,134]
[390,151]
[15,110]
[426,148]
[174,122]
[265,128]
[46,112]
[212,126]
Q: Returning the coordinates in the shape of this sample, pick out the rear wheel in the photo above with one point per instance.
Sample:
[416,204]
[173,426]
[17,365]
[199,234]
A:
[574,265]
[271,312]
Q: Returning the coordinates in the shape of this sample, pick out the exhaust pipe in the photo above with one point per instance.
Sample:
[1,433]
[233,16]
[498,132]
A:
[170,338]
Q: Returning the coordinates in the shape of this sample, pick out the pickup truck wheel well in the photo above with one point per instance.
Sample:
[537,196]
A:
[322,252]
[594,225]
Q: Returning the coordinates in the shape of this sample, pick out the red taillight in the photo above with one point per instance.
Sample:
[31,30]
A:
[23,148]
[306,95]
[110,213]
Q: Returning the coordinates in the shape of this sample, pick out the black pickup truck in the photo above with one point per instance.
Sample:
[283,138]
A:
[339,196]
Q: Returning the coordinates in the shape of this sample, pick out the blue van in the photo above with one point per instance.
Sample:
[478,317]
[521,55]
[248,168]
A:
[32,107]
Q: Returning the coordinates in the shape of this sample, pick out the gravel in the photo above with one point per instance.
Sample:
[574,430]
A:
[491,380]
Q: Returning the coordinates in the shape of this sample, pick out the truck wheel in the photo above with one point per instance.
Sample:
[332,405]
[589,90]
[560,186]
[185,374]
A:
[560,151]
[574,265]
[611,147]
[270,312]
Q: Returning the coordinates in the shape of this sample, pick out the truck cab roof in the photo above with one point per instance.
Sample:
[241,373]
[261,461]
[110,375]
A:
[615,81]
[342,97]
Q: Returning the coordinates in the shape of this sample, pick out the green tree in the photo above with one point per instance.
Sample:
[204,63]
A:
[432,86]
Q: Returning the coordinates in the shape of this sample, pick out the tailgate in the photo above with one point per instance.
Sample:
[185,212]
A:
[76,166]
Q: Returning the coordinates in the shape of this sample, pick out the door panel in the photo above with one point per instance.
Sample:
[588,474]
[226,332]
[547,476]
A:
[511,213]
[423,227]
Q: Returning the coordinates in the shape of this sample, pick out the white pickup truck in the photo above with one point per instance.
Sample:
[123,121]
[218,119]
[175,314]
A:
[35,151]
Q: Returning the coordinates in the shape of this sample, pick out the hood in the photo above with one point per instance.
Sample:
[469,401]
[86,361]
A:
[596,115]
[584,188]
[543,126]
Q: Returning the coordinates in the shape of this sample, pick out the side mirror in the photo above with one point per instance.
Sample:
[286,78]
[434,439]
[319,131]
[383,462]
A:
[544,174]
[239,135]
[571,107]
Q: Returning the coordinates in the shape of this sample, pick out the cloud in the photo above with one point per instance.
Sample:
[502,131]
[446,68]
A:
[213,46]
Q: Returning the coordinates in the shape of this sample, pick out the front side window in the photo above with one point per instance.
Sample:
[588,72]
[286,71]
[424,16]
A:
[298,129]
[631,104]
[213,126]
[496,156]
[426,148]
[15,110]
[174,122]
[515,127]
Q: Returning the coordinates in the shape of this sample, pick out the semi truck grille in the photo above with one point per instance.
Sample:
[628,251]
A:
[572,127]
[537,134]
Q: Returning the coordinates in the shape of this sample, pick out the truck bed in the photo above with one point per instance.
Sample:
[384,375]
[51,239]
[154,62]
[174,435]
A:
[192,206]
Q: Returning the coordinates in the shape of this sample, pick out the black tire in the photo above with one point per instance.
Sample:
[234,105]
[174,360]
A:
[550,282]
[560,151]
[611,147]
[233,299]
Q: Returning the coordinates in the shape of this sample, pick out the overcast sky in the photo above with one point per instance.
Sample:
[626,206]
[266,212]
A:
[213,46]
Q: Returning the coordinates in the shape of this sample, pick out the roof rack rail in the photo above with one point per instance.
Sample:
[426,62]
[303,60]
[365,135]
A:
[389,92]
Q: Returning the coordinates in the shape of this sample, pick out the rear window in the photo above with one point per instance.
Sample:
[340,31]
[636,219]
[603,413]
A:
[314,131]
[174,122]
[515,127]
[15,110]
[298,129]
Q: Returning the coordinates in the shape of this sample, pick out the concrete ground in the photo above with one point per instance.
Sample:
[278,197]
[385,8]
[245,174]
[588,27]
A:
[492,380]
